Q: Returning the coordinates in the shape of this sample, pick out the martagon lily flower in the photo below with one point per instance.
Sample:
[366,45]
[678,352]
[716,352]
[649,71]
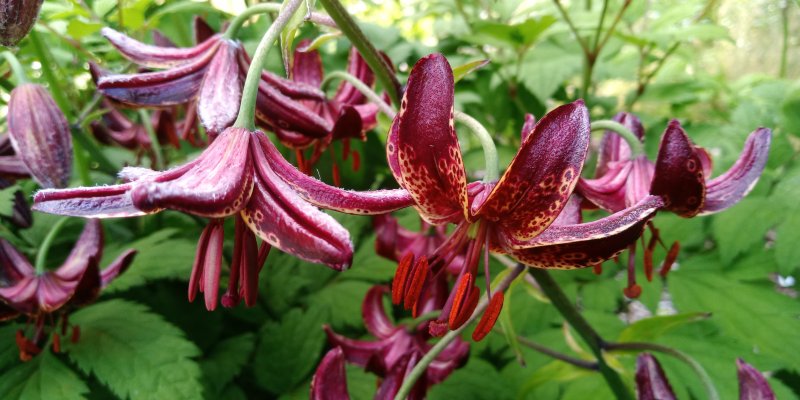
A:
[39,295]
[680,175]
[299,123]
[514,215]
[212,72]
[241,175]
[396,351]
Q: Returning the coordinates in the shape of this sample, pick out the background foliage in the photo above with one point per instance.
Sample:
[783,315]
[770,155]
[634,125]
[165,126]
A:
[722,67]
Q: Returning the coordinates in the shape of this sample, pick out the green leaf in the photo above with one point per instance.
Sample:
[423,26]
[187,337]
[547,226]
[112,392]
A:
[463,70]
[545,68]
[225,361]
[160,256]
[7,200]
[288,350]
[9,353]
[79,28]
[476,380]
[757,214]
[787,251]
[342,303]
[290,30]
[648,329]
[135,352]
[44,377]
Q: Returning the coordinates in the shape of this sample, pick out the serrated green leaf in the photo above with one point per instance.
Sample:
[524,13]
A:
[648,329]
[787,237]
[78,28]
[225,361]
[341,301]
[288,350]
[476,380]
[44,377]
[758,214]
[9,353]
[7,200]
[135,352]
[160,256]
[546,67]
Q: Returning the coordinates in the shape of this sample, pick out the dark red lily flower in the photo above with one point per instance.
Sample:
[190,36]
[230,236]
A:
[680,176]
[395,242]
[212,72]
[16,19]
[40,295]
[652,383]
[241,174]
[40,136]
[397,349]
[514,215]
[300,122]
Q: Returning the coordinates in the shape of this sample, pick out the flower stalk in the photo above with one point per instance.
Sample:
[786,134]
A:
[16,67]
[41,256]
[489,150]
[362,87]
[239,20]
[247,108]
[424,362]
[637,147]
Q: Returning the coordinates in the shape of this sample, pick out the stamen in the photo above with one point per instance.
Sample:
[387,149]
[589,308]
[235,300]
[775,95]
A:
[345,149]
[489,317]
[337,178]
[597,269]
[56,342]
[356,161]
[413,288]
[466,311]
[263,252]
[648,255]
[199,260]
[486,267]
[464,284]
[633,290]
[400,276]
[301,161]
[212,265]
[672,255]
[250,255]
[76,334]
[231,296]
[465,301]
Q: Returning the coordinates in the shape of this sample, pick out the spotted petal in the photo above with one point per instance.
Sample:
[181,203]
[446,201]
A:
[333,198]
[678,176]
[541,177]
[422,147]
[221,92]
[217,183]
[284,220]
[587,244]
[154,56]
[730,187]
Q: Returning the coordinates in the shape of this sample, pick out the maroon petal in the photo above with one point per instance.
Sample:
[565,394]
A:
[356,66]
[87,249]
[607,191]
[325,196]
[730,187]
[284,220]
[117,267]
[330,380]
[12,167]
[374,314]
[527,127]
[307,66]
[613,147]
[202,31]
[89,202]
[571,214]
[422,147]
[154,56]
[221,92]
[295,90]
[358,352]
[588,244]
[752,384]
[678,176]
[13,265]
[541,177]
[279,111]
[160,40]
[17,19]
[177,85]
[40,135]
[651,383]
[217,184]
[348,125]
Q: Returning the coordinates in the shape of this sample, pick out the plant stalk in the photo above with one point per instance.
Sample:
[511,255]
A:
[361,87]
[636,145]
[41,256]
[489,150]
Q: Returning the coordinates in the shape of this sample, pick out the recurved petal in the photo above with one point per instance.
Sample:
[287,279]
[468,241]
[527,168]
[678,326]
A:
[607,191]
[356,66]
[221,91]
[12,167]
[217,184]
[40,135]
[571,213]
[154,56]
[527,127]
[330,380]
[295,90]
[651,383]
[678,176]
[374,314]
[202,31]
[543,174]
[280,111]
[88,202]
[284,220]
[117,267]
[358,352]
[587,244]
[730,187]
[87,249]
[169,87]
[422,148]
[752,384]
[329,197]
[307,66]
[613,147]
[13,265]
[348,124]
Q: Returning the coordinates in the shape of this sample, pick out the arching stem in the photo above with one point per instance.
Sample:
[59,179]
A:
[41,256]
[361,87]
[263,8]
[489,149]
[637,147]
[16,67]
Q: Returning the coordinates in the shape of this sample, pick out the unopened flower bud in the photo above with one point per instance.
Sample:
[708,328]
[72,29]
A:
[16,19]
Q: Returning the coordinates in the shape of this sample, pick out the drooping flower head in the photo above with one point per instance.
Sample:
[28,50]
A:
[393,354]
[241,175]
[514,215]
[43,296]
[300,123]
[680,176]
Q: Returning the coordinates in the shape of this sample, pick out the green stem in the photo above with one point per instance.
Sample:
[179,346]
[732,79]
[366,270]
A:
[567,310]
[378,65]
[698,369]
[41,256]
[144,116]
[239,20]
[16,67]
[785,41]
[573,28]
[600,26]
[247,109]
[422,365]
[558,356]
[49,76]
[588,70]
[414,323]
[361,87]
[489,150]
[637,147]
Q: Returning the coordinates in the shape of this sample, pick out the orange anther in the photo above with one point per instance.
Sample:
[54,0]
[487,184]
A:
[489,317]
[400,276]
[414,287]
[672,255]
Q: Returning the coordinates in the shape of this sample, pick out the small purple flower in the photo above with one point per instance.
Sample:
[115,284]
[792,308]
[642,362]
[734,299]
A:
[76,282]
